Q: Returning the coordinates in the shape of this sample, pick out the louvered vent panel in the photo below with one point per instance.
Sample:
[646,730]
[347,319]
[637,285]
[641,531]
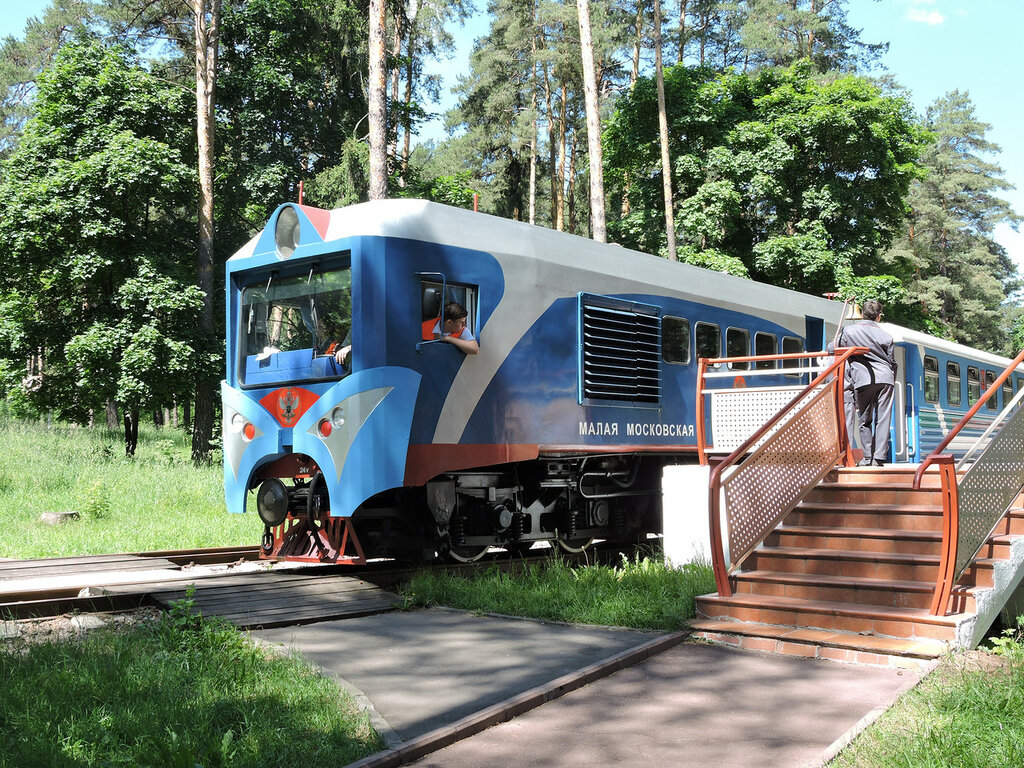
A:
[621,355]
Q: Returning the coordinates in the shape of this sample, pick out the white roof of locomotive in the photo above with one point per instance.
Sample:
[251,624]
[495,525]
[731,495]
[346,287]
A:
[446,225]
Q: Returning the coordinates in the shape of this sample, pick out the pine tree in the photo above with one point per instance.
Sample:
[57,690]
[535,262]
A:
[962,276]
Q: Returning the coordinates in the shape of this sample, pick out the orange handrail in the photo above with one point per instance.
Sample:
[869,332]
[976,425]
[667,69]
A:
[950,526]
[933,456]
[947,574]
[837,367]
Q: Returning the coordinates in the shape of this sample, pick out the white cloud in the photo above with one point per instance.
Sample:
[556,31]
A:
[924,16]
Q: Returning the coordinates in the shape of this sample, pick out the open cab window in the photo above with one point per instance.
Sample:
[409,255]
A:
[435,295]
[291,327]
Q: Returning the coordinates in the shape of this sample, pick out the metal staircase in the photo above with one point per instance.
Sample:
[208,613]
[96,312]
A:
[869,565]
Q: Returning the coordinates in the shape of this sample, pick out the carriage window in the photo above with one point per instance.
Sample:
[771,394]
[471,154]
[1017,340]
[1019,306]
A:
[1020,382]
[765,344]
[708,340]
[953,383]
[931,379]
[675,339]
[973,385]
[792,345]
[737,344]
[992,403]
[1007,392]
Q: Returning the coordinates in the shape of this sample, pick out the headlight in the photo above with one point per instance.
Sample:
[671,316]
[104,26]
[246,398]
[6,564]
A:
[338,418]
[286,232]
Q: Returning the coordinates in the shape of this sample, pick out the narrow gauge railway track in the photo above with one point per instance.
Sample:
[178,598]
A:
[54,585]
[31,589]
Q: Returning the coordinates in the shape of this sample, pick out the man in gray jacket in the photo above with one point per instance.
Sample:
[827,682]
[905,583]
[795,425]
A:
[873,375]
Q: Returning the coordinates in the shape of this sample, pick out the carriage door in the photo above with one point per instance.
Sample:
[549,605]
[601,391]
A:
[900,408]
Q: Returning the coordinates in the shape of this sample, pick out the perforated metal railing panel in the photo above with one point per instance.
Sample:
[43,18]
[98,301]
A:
[737,413]
[765,487]
[989,487]
[621,355]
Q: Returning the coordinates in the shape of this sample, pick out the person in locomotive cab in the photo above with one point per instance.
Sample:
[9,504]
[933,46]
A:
[873,376]
[340,350]
[455,330]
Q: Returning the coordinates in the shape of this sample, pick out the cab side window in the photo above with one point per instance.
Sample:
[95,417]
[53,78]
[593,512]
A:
[435,295]
[708,340]
[765,344]
[792,345]
[675,339]
[737,344]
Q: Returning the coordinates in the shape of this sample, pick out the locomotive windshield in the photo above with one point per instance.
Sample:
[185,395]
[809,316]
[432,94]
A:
[292,326]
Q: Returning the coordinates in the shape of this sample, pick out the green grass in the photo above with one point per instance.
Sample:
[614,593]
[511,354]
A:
[968,713]
[173,692]
[645,593]
[158,500]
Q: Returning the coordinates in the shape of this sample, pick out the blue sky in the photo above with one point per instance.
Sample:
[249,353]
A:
[935,46]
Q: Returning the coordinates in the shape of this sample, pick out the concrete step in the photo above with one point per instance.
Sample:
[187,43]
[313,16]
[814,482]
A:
[880,620]
[841,562]
[822,644]
[864,515]
[888,475]
[880,493]
[858,539]
[845,589]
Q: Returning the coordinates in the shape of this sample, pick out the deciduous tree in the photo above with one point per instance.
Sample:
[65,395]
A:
[92,200]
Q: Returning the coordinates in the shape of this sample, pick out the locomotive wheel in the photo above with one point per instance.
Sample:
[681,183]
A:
[574,546]
[467,554]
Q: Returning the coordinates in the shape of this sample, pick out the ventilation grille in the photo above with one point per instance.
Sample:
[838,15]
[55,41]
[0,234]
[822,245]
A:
[621,354]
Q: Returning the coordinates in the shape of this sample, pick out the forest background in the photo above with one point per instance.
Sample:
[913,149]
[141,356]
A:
[144,140]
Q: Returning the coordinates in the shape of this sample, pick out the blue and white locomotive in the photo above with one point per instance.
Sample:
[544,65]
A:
[558,430]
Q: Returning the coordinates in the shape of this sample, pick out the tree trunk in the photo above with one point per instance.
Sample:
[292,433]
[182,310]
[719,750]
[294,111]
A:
[597,217]
[410,53]
[207,32]
[563,122]
[552,143]
[666,164]
[378,110]
[396,52]
[203,422]
[682,30]
[131,431]
[573,155]
[112,419]
[638,44]
[534,127]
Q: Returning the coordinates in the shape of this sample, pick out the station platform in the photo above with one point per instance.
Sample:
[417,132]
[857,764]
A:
[456,689]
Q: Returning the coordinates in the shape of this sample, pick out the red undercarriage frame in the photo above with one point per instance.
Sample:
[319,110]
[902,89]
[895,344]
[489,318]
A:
[330,540]
[333,541]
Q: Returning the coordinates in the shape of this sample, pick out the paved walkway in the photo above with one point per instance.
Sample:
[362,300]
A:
[432,677]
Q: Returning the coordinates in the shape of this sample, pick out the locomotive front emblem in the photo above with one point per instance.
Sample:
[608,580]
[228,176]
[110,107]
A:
[288,405]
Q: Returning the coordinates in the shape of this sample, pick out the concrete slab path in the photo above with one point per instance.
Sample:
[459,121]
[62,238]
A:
[430,678]
[693,705]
